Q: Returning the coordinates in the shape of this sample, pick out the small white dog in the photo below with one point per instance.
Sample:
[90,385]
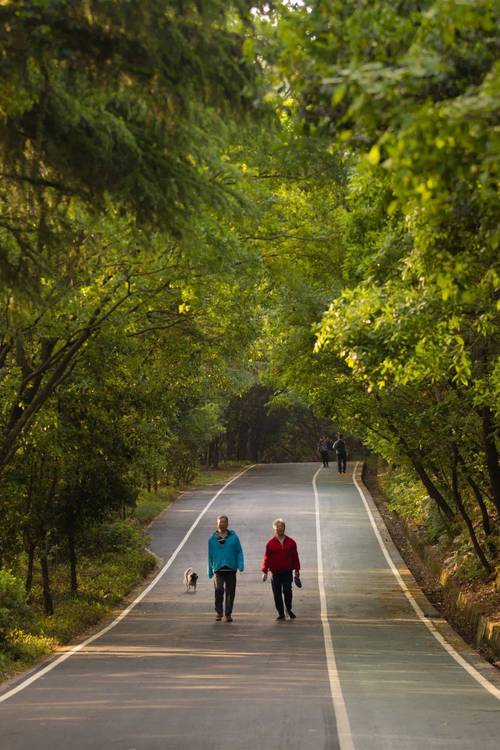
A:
[190,579]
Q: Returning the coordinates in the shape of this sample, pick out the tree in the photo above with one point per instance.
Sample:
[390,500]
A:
[105,157]
[407,351]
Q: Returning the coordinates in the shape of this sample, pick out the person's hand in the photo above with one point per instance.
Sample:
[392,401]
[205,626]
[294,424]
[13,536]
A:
[264,577]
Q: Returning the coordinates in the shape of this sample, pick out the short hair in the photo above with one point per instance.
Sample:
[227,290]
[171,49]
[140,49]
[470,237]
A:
[222,516]
[277,521]
[340,435]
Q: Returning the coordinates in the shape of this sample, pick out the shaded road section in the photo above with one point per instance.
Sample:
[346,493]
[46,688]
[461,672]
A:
[168,676]
[403,691]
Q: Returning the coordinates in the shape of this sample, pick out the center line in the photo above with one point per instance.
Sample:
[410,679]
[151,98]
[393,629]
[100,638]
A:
[343,724]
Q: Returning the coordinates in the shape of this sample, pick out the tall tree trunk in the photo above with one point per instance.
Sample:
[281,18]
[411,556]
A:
[48,603]
[431,488]
[463,512]
[478,495]
[491,455]
[31,562]
[241,451]
[429,485]
[213,451]
[73,576]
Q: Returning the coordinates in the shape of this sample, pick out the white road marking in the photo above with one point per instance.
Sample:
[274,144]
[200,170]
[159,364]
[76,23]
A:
[486,684]
[343,724]
[130,607]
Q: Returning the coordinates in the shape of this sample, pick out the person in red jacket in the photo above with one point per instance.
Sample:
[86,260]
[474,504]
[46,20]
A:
[281,558]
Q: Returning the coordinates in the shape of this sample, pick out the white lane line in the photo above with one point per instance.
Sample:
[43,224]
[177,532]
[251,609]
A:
[343,724]
[130,607]
[428,623]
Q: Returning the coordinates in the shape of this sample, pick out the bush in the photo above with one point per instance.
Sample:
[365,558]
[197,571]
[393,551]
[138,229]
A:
[437,530]
[109,577]
[13,606]
[407,496]
[5,663]
[180,466]
[117,561]
[28,646]
[150,504]
[72,616]
[104,581]
[113,537]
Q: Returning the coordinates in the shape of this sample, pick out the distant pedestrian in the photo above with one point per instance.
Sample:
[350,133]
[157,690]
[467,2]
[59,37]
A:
[225,557]
[282,559]
[323,448]
[339,447]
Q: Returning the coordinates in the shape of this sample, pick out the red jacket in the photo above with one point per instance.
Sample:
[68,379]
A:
[280,557]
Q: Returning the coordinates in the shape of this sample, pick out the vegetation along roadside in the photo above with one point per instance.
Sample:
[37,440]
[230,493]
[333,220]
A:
[112,560]
[443,565]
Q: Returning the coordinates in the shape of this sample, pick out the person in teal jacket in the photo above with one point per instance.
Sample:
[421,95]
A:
[225,557]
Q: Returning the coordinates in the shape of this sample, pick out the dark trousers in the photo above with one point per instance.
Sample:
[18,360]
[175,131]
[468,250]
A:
[282,589]
[225,584]
[342,462]
[324,458]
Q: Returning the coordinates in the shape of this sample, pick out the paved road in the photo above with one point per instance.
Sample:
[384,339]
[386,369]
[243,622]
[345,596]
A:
[169,677]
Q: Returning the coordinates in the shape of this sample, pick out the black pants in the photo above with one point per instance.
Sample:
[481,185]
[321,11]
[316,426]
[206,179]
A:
[342,462]
[225,583]
[282,589]
[324,458]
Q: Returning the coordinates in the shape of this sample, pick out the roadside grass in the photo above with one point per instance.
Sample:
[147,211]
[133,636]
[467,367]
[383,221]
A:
[150,504]
[215,476]
[104,579]
[112,561]
[451,546]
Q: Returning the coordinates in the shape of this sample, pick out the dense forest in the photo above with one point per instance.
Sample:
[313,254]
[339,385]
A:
[226,227]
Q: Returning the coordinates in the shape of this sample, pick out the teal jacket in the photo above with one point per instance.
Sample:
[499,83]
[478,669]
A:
[227,555]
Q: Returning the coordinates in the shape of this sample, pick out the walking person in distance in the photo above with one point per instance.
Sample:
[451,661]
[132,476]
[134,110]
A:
[225,557]
[323,448]
[340,447]
[282,559]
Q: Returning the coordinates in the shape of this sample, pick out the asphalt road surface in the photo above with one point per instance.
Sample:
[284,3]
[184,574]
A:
[359,669]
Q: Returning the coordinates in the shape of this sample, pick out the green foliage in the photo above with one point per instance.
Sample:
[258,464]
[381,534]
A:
[13,606]
[112,181]
[17,645]
[25,648]
[112,537]
[225,471]
[150,504]
[105,579]
[407,496]
[114,561]
[404,307]
[180,466]
[463,564]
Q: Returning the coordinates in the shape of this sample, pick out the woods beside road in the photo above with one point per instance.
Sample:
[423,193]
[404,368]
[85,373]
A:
[226,228]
